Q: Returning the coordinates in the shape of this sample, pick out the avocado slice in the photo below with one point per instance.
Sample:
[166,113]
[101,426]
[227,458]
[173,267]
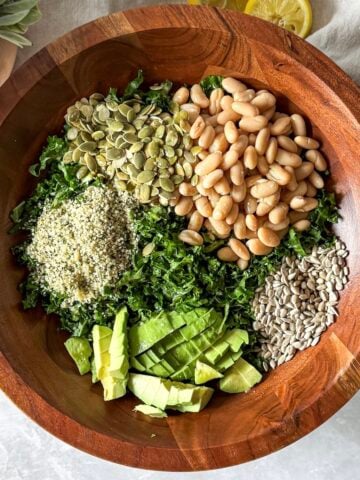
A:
[150,411]
[236,338]
[101,344]
[145,360]
[94,377]
[159,370]
[144,336]
[185,373]
[136,364]
[227,361]
[241,377]
[218,350]
[113,387]
[204,373]
[162,393]
[119,364]
[80,351]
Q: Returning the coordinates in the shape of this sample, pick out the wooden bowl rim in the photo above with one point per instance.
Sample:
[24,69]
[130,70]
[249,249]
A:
[29,401]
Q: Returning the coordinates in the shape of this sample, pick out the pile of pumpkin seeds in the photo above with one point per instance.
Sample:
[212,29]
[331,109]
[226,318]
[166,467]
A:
[138,147]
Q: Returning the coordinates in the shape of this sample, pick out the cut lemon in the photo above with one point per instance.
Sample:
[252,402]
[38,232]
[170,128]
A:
[293,15]
[232,4]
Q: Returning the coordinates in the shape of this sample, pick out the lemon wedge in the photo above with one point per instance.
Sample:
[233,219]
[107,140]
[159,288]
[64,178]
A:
[232,4]
[293,15]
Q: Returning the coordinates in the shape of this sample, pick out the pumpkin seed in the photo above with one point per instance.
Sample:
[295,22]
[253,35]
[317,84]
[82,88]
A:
[149,164]
[162,162]
[138,160]
[118,163]
[98,135]
[87,146]
[160,131]
[177,179]
[103,113]
[145,176]
[90,163]
[155,191]
[179,170]
[122,176]
[188,169]
[156,183]
[87,111]
[146,131]
[179,152]
[131,115]
[189,157]
[120,185]
[164,173]
[194,180]
[152,149]
[130,138]
[115,125]
[114,154]
[68,157]
[146,140]
[138,123]
[169,151]
[144,193]
[172,160]
[185,125]
[82,172]
[101,160]
[165,194]
[124,109]
[132,171]
[112,105]
[72,133]
[136,147]
[171,138]
[174,107]
[187,141]
[148,249]
[128,128]
[136,107]
[167,185]
[163,201]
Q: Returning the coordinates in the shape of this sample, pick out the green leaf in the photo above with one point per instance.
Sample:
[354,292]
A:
[134,84]
[12,18]
[15,38]
[209,83]
[20,6]
[32,17]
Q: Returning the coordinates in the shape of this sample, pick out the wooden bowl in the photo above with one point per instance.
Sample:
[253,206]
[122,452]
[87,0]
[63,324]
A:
[183,44]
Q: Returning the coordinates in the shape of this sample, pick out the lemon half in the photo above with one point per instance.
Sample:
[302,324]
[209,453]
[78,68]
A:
[293,15]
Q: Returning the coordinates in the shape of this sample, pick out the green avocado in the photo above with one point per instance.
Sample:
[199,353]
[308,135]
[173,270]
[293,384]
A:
[101,344]
[227,361]
[136,364]
[113,387]
[94,377]
[204,373]
[162,393]
[144,336]
[80,351]
[118,349]
[236,338]
[150,411]
[241,377]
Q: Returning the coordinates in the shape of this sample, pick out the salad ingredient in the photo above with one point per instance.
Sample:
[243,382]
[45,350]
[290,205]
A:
[298,302]
[241,377]
[162,393]
[151,411]
[118,349]
[80,351]
[110,357]
[293,15]
[204,373]
[232,4]
[140,147]
[15,18]
[83,245]
[246,175]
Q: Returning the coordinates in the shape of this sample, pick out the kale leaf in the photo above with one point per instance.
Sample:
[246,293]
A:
[209,83]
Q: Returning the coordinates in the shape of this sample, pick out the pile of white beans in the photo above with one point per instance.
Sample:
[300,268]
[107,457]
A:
[253,183]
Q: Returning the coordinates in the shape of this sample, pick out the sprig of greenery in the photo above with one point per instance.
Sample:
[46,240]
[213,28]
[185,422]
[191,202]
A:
[15,18]
[211,82]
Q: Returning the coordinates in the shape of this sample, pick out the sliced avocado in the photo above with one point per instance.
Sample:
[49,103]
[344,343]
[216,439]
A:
[172,340]
[101,344]
[151,390]
[188,398]
[113,387]
[235,338]
[80,351]
[218,350]
[185,373]
[227,361]
[94,377]
[136,364]
[152,355]
[145,360]
[144,336]
[199,323]
[119,364]
[150,411]
[204,373]
[201,398]
[159,370]
[241,377]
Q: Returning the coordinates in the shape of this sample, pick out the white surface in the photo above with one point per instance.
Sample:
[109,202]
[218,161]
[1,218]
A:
[331,452]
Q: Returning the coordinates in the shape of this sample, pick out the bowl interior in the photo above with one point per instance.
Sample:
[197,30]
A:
[233,428]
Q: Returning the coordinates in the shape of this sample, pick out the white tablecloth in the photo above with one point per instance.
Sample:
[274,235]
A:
[330,453]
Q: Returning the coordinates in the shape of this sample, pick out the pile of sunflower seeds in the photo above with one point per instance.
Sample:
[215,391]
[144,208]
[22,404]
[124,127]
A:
[298,302]
[139,147]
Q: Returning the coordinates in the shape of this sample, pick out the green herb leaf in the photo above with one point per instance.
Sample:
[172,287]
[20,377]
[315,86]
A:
[209,83]
[134,85]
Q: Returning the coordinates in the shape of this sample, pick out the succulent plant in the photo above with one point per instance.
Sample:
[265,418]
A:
[15,18]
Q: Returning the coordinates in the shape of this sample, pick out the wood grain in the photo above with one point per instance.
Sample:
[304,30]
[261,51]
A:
[183,44]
